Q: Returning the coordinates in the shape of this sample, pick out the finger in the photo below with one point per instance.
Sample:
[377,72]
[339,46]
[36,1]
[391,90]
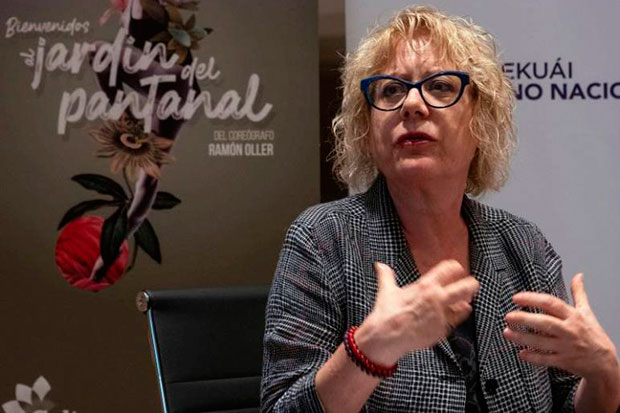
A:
[535,341]
[462,290]
[548,303]
[578,290]
[458,313]
[446,272]
[546,324]
[460,306]
[386,278]
[540,359]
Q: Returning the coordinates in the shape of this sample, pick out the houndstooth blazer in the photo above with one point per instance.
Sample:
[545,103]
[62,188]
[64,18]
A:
[324,282]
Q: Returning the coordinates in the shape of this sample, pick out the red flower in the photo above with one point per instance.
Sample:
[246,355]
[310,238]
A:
[77,249]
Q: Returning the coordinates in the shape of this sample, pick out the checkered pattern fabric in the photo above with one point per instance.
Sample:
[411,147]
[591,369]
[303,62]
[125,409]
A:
[324,282]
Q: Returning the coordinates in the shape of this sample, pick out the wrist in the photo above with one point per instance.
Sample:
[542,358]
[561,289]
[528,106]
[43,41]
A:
[367,365]
[598,393]
[607,378]
[375,344]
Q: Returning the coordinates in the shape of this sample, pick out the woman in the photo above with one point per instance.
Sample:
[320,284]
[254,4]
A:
[410,296]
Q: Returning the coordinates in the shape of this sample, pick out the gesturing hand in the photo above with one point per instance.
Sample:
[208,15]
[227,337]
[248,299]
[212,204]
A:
[417,315]
[566,337]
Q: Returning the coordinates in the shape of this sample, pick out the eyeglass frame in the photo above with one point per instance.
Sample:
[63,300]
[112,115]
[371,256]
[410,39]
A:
[365,83]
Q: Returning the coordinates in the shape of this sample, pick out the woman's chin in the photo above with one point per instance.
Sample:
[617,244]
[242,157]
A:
[415,166]
[422,170]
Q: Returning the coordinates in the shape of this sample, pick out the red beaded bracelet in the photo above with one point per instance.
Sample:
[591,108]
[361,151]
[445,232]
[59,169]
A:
[360,359]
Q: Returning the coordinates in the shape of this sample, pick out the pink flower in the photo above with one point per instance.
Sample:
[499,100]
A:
[116,6]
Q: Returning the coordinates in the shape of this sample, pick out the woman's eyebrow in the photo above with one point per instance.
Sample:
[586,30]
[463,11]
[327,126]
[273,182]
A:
[407,76]
[431,71]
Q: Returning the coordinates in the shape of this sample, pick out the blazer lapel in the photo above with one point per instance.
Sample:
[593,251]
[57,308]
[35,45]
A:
[388,244]
[488,264]
[487,312]
[497,358]
[386,239]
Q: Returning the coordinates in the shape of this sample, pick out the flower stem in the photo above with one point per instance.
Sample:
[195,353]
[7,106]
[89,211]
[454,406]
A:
[133,258]
[127,181]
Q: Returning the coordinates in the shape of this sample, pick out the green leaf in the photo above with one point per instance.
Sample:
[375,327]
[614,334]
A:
[181,36]
[101,184]
[83,207]
[165,200]
[147,240]
[198,33]
[155,11]
[113,234]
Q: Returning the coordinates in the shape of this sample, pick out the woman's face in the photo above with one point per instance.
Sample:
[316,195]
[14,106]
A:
[418,142]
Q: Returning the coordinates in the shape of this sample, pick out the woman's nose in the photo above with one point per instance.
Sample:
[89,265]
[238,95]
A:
[414,105]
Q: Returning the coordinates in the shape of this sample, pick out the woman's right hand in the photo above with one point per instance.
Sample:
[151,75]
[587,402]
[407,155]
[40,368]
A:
[417,315]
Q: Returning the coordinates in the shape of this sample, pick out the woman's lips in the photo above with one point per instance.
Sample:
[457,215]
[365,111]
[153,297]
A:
[414,138]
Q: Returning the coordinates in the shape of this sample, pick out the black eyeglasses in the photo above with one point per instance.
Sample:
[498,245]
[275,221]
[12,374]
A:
[439,90]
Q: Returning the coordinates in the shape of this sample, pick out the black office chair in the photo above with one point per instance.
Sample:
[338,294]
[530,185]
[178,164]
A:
[207,347]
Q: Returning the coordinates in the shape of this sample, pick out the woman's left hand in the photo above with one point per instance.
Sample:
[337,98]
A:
[566,337]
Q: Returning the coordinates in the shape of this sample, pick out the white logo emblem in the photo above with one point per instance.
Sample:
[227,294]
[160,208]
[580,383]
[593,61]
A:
[31,399]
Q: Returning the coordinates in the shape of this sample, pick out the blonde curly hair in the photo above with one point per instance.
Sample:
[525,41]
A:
[456,40]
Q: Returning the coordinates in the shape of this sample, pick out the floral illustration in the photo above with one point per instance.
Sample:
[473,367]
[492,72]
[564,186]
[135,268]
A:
[129,147]
[93,251]
[181,4]
[180,37]
[30,399]
[77,250]
[83,238]
[116,6]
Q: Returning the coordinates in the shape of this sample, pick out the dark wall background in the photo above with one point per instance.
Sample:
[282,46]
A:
[331,54]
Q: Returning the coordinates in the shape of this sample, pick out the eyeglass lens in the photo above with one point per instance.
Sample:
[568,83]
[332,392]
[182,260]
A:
[439,91]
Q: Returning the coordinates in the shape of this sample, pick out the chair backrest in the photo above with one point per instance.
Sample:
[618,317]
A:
[207,347]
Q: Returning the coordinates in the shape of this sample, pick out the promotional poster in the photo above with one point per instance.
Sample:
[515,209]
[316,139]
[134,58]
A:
[147,144]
